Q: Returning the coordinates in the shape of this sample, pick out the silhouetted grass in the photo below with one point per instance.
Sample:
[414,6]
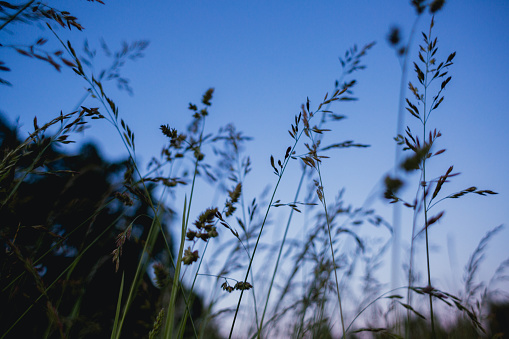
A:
[306,286]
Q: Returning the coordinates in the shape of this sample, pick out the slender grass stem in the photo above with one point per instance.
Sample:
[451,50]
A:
[254,250]
[119,306]
[280,252]
[371,303]
[424,183]
[168,332]
[288,223]
[185,222]
[280,176]
[397,207]
[244,220]
[131,152]
[21,10]
[140,269]
[332,252]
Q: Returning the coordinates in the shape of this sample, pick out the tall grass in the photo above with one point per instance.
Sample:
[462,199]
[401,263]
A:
[309,285]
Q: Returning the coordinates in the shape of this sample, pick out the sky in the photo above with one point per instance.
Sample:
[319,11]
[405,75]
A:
[264,59]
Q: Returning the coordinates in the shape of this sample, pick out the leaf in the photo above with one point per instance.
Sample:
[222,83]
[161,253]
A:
[5,82]
[408,307]
[273,165]
[309,162]
[394,296]
[445,82]
[413,109]
[413,113]
[68,62]
[8,5]
[288,150]
[439,152]
[449,59]
[345,144]
[127,139]
[420,74]
[472,189]
[71,49]
[438,103]
[441,180]
[434,219]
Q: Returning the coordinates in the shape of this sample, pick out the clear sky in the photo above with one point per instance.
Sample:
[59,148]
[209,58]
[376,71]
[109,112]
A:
[264,58]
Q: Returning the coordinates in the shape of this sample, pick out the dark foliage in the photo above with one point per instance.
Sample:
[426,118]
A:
[57,235]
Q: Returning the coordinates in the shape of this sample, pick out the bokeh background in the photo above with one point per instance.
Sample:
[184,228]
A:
[264,59]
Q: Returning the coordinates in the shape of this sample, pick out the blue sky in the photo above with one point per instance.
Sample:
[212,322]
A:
[264,59]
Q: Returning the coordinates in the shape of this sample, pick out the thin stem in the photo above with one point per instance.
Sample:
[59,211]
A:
[371,303]
[241,176]
[254,250]
[280,176]
[176,280]
[410,269]
[185,223]
[132,156]
[16,14]
[332,251]
[281,251]
[424,185]
[140,269]
[396,212]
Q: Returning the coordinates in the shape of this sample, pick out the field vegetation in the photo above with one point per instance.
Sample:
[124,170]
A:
[93,248]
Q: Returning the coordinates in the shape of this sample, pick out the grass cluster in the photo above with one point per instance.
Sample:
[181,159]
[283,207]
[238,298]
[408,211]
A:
[303,285]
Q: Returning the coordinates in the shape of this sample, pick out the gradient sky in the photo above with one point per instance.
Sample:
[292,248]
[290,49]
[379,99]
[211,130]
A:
[264,58]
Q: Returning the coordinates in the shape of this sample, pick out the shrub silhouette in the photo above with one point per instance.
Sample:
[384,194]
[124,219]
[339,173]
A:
[64,211]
